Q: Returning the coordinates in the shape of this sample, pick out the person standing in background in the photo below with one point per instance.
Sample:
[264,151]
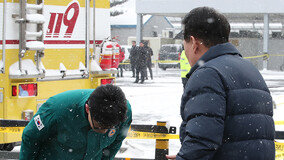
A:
[133,57]
[141,66]
[120,66]
[149,60]
[184,68]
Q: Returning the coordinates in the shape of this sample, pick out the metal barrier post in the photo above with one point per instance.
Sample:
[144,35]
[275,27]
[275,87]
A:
[162,145]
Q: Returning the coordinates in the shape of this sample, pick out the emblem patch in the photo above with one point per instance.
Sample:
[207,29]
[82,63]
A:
[38,122]
[111,132]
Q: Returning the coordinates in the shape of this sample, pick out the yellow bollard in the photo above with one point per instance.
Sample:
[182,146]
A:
[162,145]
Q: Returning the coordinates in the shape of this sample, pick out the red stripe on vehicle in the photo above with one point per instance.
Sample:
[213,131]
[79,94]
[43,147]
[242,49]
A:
[54,42]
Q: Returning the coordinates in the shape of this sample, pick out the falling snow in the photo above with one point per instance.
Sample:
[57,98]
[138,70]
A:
[159,100]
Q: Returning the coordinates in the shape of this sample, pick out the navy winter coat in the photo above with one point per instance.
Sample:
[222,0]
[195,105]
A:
[142,57]
[133,55]
[226,110]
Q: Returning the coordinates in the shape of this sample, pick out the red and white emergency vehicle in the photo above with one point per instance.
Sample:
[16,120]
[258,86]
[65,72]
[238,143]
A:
[47,47]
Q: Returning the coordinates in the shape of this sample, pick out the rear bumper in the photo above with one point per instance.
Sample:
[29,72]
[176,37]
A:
[168,65]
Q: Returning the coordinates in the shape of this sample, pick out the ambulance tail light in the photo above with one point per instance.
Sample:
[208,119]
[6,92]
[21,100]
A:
[26,90]
[14,91]
[106,81]
[109,46]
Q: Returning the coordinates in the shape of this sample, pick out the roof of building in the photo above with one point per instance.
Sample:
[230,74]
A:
[129,18]
[238,10]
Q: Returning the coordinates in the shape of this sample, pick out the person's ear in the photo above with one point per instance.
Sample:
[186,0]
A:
[195,44]
[87,108]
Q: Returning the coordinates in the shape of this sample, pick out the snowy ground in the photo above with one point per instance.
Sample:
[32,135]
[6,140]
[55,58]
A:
[156,100]
[159,100]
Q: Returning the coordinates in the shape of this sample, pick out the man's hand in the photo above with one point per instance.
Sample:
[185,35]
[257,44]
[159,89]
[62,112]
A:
[171,156]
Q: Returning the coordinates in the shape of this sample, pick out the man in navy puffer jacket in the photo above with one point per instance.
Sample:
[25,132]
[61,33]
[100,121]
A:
[226,107]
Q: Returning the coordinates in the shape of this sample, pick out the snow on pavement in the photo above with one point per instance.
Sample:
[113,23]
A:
[159,100]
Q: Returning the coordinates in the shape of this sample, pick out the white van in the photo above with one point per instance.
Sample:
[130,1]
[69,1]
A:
[126,62]
[126,49]
[169,56]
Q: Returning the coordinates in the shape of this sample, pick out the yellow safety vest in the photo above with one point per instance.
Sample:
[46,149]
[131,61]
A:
[184,65]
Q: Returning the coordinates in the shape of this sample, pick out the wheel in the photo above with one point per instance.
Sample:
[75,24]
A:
[128,67]
[274,104]
[8,146]
[282,67]
[1,147]
[164,68]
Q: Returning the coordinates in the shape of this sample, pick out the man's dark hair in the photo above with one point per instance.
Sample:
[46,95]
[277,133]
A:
[146,43]
[207,25]
[108,105]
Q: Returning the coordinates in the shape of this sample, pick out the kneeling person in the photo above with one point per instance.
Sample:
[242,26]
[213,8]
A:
[78,124]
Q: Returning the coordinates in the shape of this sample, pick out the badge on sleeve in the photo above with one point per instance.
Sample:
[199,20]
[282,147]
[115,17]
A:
[38,122]
[111,132]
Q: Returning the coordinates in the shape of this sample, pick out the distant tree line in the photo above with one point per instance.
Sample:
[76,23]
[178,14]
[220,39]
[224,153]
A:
[116,13]
[115,3]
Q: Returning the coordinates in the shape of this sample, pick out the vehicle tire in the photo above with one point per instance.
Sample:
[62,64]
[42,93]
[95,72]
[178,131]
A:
[128,67]
[1,147]
[164,68]
[282,67]
[8,146]
[274,104]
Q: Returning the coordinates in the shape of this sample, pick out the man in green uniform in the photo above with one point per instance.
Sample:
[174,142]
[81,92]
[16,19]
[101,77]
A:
[78,124]
[184,68]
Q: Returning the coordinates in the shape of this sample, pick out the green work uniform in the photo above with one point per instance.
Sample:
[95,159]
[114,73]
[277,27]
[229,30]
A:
[60,130]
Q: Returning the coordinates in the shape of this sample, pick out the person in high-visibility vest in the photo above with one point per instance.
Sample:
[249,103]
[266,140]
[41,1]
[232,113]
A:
[184,68]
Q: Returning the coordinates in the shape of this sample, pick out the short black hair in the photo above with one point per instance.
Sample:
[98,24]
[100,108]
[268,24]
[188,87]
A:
[146,43]
[108,105]
[207,25]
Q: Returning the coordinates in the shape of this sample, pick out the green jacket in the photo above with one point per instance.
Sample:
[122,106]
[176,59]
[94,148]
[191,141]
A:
[184,65]
[63,132]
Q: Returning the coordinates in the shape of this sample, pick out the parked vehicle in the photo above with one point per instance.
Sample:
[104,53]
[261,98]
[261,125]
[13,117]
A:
[169,56]
[126,62]
[126,49]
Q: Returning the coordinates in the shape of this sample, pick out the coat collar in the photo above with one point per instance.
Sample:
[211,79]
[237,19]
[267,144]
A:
[214,52]
[83,115]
